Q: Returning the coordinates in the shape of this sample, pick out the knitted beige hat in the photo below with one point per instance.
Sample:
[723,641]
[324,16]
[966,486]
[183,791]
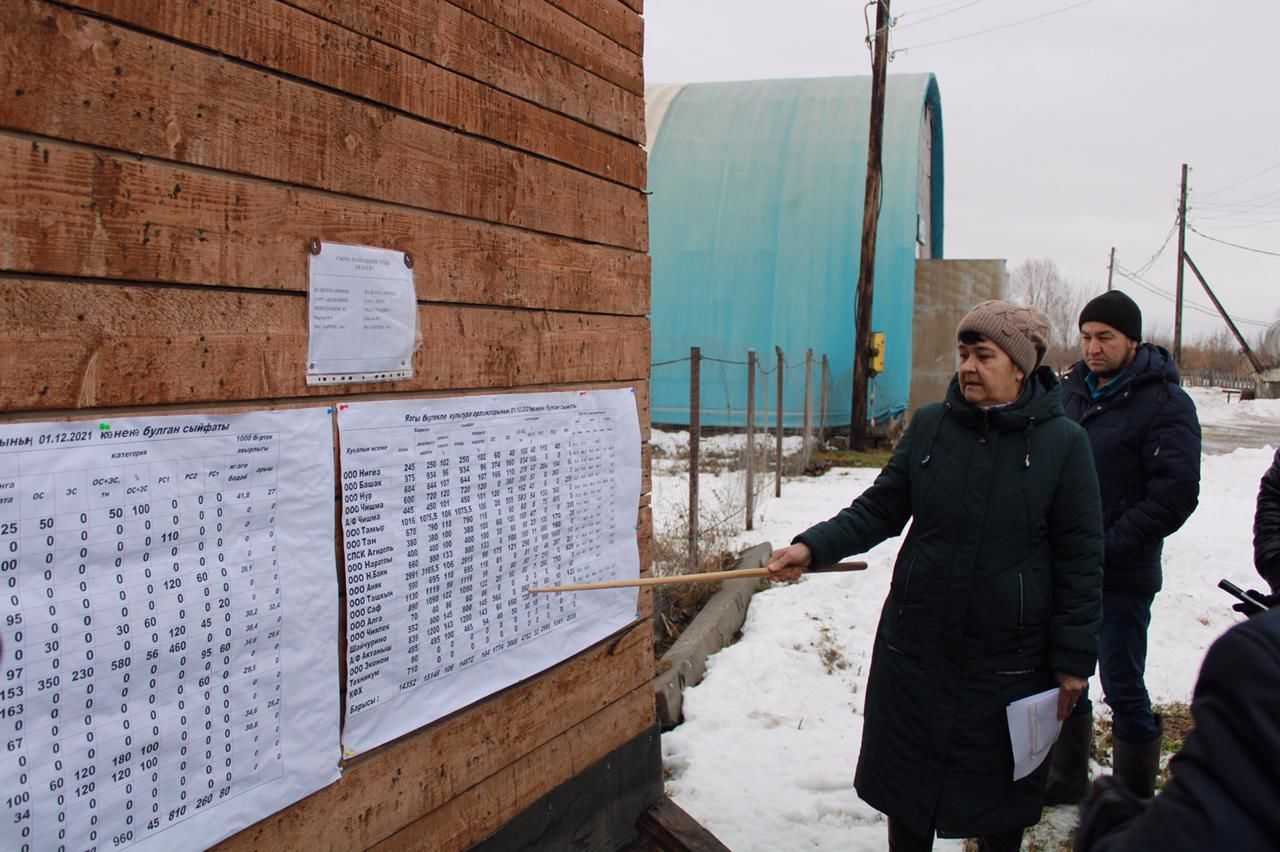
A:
[1021,331]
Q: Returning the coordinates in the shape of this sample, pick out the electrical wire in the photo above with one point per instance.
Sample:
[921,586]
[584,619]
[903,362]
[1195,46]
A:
[867,24]
[1242,180]
[966,5]
[930,8]
[1236,227]
[1244,204]
[994,29]
[1157,290]
[1233,245]
[1146,267]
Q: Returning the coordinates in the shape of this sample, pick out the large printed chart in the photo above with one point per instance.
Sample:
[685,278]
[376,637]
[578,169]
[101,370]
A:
[452,509]
[168,623]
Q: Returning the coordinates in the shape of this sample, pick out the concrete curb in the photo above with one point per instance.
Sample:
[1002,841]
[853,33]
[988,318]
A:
[713,628]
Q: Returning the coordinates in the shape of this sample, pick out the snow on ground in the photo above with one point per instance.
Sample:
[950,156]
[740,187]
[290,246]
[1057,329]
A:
[766,754]
[1228,425]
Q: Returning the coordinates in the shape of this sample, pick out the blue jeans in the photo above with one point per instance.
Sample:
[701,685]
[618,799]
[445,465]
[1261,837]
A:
[1122,662]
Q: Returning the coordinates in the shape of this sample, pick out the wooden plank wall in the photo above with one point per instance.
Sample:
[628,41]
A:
[162,167]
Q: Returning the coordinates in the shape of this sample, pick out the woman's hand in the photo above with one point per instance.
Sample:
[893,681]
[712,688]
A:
[788,563]
[1069,689]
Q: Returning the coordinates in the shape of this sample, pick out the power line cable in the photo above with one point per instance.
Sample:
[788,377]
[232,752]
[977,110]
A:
[966,5]
[1240,222]
[1151,261]
[994,29]
[1235,245]
[1167,296]
[867,24]
[1264,209]
[1254,224]
[1243,180]
[929,8]
[1157,291]
[1242,203]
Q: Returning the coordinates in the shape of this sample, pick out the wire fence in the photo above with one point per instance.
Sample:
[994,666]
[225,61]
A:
[749,440]
[766,382]
[1219,379]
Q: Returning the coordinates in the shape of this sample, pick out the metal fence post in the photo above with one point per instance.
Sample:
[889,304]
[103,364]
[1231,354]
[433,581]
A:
[777,459]
[695,429]
[751,439]
[808,410]
[822,395]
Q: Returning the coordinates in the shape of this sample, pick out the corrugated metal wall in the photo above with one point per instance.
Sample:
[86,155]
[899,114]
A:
[755,230]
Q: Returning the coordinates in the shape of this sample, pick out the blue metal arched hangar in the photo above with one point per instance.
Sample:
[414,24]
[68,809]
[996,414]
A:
[755,231]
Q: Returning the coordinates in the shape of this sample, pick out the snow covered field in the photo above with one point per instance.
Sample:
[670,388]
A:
[766,755]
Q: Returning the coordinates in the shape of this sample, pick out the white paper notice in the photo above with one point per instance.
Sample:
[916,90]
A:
[363,315]
[168,622]
[452,509]
[1033,728]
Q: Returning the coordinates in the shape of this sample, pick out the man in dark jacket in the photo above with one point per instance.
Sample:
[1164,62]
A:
[1146,444]
[996,592]
[1266,527]
[1223,791]
[1266,539]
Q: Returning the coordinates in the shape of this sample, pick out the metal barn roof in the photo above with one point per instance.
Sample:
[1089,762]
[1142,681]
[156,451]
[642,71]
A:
[755,230]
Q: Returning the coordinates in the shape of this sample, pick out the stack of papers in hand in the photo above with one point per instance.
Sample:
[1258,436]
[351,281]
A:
[1033,727]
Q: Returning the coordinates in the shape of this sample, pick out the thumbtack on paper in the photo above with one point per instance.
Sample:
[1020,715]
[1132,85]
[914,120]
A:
[331,410]
[343,406]
[105,427]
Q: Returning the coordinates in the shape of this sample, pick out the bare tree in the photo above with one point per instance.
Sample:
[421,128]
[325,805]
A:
[1039,283]
[1216,352]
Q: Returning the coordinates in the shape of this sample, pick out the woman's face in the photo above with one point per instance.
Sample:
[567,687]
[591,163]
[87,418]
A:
[988,375]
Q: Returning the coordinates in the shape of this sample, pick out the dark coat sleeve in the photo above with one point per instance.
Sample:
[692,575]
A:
[1223,791]
[877,514]
[1266,526]
[1171,470]
[1076,540]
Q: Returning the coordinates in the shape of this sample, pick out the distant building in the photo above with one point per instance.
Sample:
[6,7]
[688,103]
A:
[755,233]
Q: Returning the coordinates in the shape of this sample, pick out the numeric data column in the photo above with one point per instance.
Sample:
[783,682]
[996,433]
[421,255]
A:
[15,719]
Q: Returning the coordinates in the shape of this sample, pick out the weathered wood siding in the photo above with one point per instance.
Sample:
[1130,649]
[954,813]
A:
[162,168]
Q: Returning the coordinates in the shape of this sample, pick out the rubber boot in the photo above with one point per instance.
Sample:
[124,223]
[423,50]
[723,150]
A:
[1008,842]
[1069,759]
[1135,764]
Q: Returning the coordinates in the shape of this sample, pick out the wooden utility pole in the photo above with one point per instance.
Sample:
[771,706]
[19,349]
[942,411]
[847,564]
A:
[1111,268]
[870,222]
[1182,253]
[1244,344]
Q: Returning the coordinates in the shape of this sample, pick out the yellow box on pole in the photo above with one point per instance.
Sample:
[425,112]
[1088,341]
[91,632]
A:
[876,365]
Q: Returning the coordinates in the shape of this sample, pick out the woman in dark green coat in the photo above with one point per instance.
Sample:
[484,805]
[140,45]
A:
[996,594]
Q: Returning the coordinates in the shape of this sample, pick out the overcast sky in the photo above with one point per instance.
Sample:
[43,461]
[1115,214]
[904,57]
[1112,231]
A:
[1063,136]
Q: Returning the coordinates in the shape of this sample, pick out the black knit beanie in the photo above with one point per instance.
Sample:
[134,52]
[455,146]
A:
[1116,310]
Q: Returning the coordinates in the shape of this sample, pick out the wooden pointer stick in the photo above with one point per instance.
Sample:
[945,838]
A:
[710,576]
